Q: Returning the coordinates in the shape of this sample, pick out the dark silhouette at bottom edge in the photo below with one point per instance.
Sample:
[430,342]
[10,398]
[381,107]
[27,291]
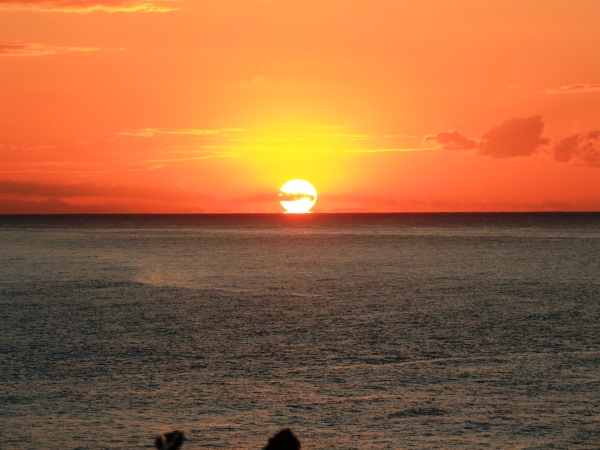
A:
[284,440]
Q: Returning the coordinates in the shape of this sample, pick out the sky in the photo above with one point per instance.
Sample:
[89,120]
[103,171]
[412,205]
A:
[210,106]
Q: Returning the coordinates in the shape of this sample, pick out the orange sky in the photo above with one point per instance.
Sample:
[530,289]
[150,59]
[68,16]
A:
[383,105]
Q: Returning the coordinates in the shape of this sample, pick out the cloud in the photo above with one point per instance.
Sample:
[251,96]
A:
[450,140]
[235,140]
[269,197]
[87,6]
[259,81]
[206,155]
[283,197]
[153,132]
[325,137]
[522,137]
[78,190]
[35,49]
[56,206]
[514,137]
[363,200]
[583,149]
[580,88]
[273,197]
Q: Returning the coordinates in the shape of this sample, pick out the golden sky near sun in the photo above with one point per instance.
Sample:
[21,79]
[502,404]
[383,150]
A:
[383,105]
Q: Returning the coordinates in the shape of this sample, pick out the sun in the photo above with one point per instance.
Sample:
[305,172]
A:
[297,196]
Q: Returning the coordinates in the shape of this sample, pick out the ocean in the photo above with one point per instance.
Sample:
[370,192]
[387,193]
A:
[357,331]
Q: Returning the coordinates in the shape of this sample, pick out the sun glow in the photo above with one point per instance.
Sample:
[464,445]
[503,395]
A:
[297,196]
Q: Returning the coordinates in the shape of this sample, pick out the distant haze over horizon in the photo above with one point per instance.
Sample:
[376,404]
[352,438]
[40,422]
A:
[388,106]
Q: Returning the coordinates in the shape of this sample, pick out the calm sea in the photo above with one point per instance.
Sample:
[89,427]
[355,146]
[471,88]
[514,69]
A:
[360,331]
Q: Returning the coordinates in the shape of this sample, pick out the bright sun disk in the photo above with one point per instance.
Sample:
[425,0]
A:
[298,196]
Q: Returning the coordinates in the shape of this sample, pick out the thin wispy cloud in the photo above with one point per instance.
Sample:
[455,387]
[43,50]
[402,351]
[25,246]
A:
[386,150]
[579,88]
[80,167]
[73,171]
[95,158]
[304,139]
[327,137]
[259,81]
[324,127]
[89,189]
[195,158]
[17,48]
[89,6]
[450,140]
[153,132]
[361,198]
[240,148]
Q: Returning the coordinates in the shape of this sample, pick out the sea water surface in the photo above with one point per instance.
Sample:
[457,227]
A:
[358,331]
